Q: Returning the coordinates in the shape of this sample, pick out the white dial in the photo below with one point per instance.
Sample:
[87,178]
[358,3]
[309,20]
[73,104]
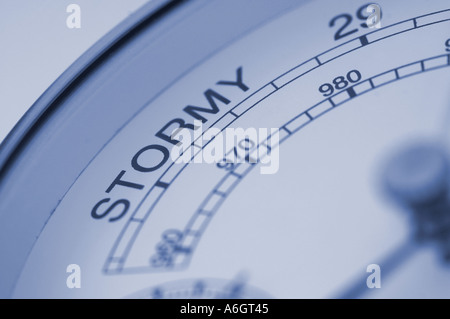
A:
[337,97]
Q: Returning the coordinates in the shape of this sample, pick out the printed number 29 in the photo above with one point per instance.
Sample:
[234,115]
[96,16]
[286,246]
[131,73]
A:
[347,19]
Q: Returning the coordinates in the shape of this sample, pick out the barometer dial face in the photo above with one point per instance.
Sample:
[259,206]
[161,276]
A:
[90,177]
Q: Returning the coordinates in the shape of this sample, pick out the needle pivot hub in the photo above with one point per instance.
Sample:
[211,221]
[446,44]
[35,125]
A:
[417,177]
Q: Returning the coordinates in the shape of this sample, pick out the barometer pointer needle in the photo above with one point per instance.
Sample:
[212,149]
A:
[417,178]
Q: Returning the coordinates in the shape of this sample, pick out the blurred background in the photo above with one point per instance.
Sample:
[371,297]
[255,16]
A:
[37,46]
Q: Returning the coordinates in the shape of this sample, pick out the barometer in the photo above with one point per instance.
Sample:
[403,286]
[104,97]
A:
[340,192]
